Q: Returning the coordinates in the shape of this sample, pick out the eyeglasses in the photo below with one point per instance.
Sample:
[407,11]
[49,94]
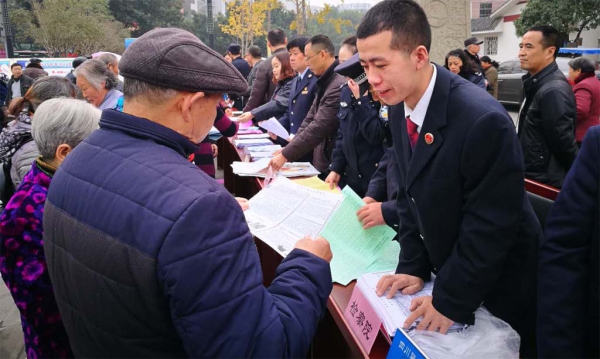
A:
[310,57]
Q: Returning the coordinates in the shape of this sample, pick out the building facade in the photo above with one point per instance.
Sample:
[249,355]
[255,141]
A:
[498,32]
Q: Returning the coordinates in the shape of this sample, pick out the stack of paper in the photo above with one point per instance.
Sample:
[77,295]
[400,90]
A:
[259,169]
[258,152]
[285,212]
[355,250]
[273,126]
[248,136]
[249,130]
[393,312]
[242,142]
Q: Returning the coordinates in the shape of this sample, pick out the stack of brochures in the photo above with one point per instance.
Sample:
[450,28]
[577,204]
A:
[252,140]
[249,130]
[260,169]
[393,312]
[258,152]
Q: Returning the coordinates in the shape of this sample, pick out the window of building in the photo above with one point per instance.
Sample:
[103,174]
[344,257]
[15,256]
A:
[485,9]
[490,45]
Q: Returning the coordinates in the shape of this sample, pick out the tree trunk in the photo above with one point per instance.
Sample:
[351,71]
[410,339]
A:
[581,28]
[304,20]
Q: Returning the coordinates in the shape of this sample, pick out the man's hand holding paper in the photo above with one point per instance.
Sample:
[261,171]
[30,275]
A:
[371,215]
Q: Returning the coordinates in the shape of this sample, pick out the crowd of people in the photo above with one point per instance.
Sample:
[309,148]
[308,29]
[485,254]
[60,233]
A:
[116,240]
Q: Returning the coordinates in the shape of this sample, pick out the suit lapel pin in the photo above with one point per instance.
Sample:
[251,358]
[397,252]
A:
[428,138]
[309,76]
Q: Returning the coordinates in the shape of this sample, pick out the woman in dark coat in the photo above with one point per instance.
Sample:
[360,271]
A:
[458,63]
[282,76]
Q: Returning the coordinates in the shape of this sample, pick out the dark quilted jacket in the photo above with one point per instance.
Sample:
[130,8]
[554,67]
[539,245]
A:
[150,257]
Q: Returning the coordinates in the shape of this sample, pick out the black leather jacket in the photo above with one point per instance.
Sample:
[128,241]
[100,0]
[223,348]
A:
[546,126]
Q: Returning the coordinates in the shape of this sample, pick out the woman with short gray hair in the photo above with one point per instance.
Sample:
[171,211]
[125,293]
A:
[59,126]
[98,84]
[587,95]
[17,150]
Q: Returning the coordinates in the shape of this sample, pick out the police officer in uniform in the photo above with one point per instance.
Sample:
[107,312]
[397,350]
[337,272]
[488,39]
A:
[302,95]
[360,140]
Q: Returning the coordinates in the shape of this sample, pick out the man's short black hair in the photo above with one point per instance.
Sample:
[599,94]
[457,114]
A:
[15,64]
[350,42]
[404,18]
[298,42]
[550,37]
[322,42]
[255,52]
[276,37]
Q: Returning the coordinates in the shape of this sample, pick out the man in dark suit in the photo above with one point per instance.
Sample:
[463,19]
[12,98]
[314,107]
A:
[461,200]
[568,322]
[243,67]
[303,91]
[263,87]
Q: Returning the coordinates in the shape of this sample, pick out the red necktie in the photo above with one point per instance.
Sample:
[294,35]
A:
[413,134]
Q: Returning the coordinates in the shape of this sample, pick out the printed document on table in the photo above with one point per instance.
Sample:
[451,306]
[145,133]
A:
[275,127]
[285,212]
[355,250]
[393,312]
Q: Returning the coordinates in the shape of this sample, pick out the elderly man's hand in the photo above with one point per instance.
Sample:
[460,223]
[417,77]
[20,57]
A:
[278,161]
[318,246]
[245,117]
[243,203]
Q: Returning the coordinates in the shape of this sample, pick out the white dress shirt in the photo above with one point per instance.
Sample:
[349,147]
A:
[417,115]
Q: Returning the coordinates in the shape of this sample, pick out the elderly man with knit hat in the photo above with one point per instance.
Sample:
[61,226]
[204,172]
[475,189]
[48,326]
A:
[149,256]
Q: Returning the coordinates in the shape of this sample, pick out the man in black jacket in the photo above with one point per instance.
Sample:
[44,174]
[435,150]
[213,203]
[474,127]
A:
[18,83]
[472,47]
[546,123]
[243,67]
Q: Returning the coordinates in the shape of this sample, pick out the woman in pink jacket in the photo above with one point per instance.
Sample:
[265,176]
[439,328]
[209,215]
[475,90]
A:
[587,95]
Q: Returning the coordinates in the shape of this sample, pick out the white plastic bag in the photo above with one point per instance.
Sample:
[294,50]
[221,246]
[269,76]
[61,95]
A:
[489,338]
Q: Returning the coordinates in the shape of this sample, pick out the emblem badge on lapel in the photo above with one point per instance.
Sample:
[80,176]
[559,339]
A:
[428,138]
[343,104]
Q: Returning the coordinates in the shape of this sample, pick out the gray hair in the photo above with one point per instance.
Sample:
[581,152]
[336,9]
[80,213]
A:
[62,121]
[108,58]
[96,72]
[133,88]
[584,64]
[41,90]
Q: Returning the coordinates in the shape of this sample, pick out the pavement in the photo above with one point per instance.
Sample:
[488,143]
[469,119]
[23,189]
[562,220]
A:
[11,333]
